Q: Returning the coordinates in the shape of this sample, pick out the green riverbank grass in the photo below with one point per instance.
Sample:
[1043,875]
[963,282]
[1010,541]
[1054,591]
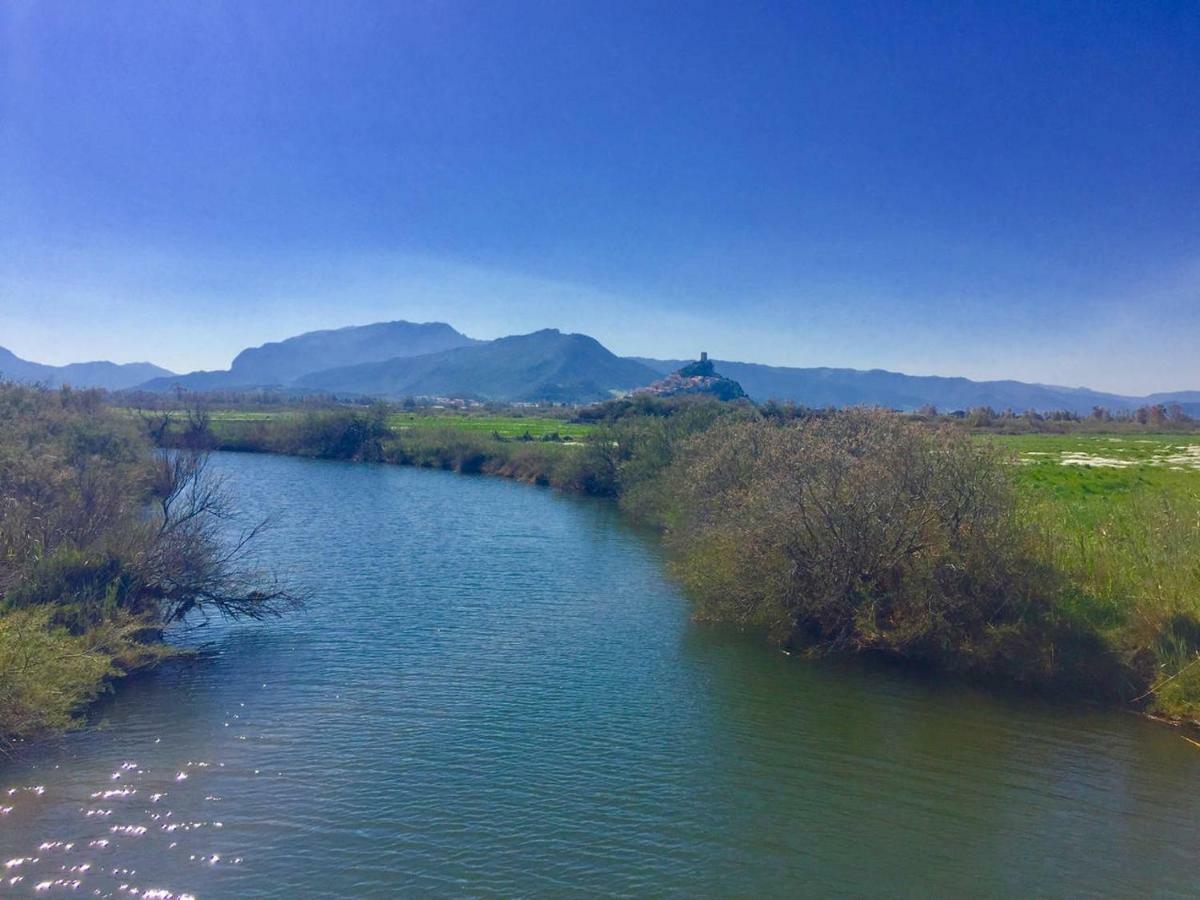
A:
[1120,516]
[508,427]
[104,542]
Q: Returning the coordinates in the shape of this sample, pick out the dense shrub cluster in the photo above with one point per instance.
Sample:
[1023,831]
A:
[866,532]
[103,542]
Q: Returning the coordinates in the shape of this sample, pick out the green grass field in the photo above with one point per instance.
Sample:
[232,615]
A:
[1120,516]
[1097,467]
[505,426]
[510,426]
[1108,450]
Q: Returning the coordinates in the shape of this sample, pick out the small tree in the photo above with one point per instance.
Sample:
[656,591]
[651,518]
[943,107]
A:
[195,560]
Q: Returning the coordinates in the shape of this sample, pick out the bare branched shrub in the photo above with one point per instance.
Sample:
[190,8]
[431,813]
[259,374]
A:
[198,558]
[864,531]
[103,542]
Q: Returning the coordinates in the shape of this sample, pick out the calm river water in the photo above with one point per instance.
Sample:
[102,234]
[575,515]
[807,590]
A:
[495,691]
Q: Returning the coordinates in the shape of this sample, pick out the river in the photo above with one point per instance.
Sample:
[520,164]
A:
[495,690]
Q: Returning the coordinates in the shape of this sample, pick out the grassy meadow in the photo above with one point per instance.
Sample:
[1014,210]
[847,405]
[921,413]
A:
[1120,515]
[506,426]
[1092,476]
[510,426]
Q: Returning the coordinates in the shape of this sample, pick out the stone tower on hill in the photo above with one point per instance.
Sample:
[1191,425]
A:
[702,369]
[699,377]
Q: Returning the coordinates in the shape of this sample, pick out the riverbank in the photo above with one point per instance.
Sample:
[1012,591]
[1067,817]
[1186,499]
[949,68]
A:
[1069,570]
[104,541]
[496,689]
[970,566]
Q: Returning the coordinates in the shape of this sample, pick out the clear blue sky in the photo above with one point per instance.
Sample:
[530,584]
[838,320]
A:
[986,189]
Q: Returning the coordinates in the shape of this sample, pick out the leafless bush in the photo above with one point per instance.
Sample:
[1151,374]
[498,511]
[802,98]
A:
[860,531]
[198,557]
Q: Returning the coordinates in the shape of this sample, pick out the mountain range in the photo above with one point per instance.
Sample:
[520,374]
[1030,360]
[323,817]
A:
[107,375]
[821,387]
[544,365]
[399,359]
[281,363]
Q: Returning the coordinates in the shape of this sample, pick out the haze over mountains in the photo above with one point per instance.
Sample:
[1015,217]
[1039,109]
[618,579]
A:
[112,376]
[544,365]
[821,387]
[399,359]
[281,363]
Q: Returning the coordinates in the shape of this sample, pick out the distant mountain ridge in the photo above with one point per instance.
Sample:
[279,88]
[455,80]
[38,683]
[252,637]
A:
[99,374]
[544,365]
[284,361]
[397,359]
[821,387]
[281,363]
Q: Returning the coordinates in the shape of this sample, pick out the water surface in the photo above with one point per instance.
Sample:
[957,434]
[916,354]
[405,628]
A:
[495,691]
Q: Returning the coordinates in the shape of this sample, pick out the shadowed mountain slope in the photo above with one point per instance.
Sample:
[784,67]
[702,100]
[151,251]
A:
[285,361]
[281,363]
[544,365]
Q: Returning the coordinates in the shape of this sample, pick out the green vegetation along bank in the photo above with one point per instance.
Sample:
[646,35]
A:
[865,531]
[104,541]
[1050,562]
[510,425]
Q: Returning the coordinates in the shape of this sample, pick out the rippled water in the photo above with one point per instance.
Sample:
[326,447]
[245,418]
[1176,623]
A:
[495,691]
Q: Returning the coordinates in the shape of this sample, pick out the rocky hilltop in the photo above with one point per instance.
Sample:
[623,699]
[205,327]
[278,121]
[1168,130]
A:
[698,377]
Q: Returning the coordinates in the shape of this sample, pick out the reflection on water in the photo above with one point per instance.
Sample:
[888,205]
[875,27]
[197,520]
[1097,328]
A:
[495,691]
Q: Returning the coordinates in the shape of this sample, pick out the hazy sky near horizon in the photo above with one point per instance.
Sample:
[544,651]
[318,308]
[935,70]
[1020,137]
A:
[989,190]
